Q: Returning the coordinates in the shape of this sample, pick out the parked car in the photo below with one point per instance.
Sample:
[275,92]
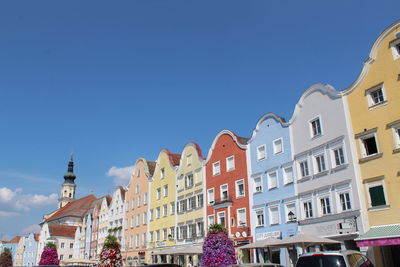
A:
[346,258]
[257,265]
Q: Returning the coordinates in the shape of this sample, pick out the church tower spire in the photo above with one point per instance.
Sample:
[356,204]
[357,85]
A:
[68,187]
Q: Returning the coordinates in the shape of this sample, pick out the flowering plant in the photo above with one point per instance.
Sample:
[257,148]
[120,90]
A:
[218,249]
[110,255]
[49,257]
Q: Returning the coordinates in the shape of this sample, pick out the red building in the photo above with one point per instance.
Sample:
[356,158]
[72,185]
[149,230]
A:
[227,194]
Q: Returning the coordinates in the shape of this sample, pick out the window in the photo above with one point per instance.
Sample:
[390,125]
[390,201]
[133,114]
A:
[172,232]
[144,239]
[200,229]
[189,181]
[291,212]
[165,190]
[257,185]
[345,203]
[369,146]
[210,196]
[260,218]
[288,175]
[308,212]
[377,195]
[274,215]
[325,206]
[189,160]
[191,231]
[61,257]
[315,127]
[395,47]
[165,210]
[221,218]
[200,201]
[211,220]
[230,163]
[224,192]
[145,198]
[191,203]
[133,203]
[158,194]
[172,207]
[158,212]
[396,131]
[138,172]
[137,189]
[278,146]
[320,162]
[131,241]
[137,240]
[138,220]
[162,173]
[216,168]
[165,234]
[241,215]
[339,156]
[139,201]
[144,218]
[182,206]
[62,245]
[240,188]
[71,245]
[272,180]
[375,96]
[158,235]
[304,172]
[261,152]
[132,221]
[151,215]
[151,236]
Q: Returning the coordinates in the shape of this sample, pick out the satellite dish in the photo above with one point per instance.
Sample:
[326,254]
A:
[237,234]
[244,234]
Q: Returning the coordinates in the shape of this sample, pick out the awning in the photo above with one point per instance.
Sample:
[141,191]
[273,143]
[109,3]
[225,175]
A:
[76,261]
[383,235]
[180,251]
[263,243]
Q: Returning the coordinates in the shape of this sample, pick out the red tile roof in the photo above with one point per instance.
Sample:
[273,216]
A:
[152,166]
[62,230]
[173,158]
[76,208]
[36,236]
[199,153]
[14,240]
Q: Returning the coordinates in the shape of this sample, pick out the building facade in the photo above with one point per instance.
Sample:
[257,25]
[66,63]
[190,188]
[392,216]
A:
[136,213]
[116,215]
[271,185]
[162,207]
[227,188]
[31,242]
[190,202]
[374,112]
[103,223]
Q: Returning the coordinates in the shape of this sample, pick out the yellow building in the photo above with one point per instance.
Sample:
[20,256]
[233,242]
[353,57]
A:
[373,102]
[190,203]
[162,208]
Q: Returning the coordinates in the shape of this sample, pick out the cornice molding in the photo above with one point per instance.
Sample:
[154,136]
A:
[223,132]
[272,115]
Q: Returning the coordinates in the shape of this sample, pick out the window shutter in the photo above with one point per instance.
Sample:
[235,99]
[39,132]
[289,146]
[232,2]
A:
[377,196]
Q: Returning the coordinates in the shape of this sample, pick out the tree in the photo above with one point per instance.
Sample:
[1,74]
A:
[6,258]
[110,255]
[49,255]
[218,249]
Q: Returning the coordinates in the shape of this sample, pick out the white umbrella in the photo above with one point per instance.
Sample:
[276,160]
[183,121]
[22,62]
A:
[263,243]
[188,250]
[305,240]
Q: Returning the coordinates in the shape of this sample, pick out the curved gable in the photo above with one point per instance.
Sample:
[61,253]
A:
[241,142]
[265,118]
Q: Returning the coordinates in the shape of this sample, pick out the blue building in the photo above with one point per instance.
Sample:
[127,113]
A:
[271,186]
[12,245]
[31,244]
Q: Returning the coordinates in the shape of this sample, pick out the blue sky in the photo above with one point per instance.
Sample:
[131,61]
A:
[114,81]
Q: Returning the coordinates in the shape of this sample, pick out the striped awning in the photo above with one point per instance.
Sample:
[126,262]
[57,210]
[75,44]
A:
[383,235]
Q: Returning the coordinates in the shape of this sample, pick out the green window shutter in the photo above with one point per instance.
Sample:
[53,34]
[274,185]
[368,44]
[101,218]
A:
[377,196]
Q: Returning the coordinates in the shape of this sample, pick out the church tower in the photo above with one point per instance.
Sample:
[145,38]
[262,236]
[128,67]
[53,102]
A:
[68,187]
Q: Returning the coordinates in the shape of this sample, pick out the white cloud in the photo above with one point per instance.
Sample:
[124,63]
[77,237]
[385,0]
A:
[120,176]
[34,228]
[11,202]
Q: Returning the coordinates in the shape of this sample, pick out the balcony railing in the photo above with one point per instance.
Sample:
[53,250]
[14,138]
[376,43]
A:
[222,200]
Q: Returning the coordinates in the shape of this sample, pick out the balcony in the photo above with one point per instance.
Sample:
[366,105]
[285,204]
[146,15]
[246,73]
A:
[222,202]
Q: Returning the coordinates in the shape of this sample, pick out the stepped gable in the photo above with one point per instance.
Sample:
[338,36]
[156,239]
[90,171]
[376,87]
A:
[152,166]
[76,208]
[62,230]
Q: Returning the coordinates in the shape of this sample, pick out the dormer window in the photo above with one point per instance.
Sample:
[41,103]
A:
[162,174]
[315,125]
[376,96]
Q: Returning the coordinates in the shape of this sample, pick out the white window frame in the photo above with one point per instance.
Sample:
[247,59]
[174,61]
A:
[321,210]
[237,183]
[189,160]
[165,190]
[317,169]
[303,210]
[370,99]
[287,210]
[395,128]
[270,187]
[312,134]
[275,207]
[275,145]
[374,184]
[258,212]
[259,155]
[138,220]
[285,175]
[172,208]
[245,217]
[162,173]
[362,145]
[210,218]
[260,184]
[137,189]
[216,168]
[165,210]
[219,218]
[333,156]
[230,168]
[301,176]
[158,212]
[221,192]
[144,218]
[395,47]
[139,201]
[210,202]
[340,206]
[158,193]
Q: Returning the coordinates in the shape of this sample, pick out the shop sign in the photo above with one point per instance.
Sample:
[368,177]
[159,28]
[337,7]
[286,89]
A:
[273,234]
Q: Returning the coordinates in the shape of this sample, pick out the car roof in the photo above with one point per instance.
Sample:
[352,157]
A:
[333,252]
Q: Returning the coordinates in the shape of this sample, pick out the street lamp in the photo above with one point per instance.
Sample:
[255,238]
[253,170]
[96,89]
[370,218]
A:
[291,216]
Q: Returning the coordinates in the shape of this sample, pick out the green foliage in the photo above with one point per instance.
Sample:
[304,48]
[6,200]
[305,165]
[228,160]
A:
[110,255]
[50,245]
[111,242]
[6,258]
[217,228]
[115,229]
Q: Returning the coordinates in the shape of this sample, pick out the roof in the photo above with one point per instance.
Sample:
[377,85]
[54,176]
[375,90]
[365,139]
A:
[123,191]
[14,240]
[62,230]
[152,166]
[175,158]
[36,236]
[383,231]
[76,208]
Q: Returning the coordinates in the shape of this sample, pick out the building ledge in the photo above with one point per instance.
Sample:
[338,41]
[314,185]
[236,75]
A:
[372,157]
